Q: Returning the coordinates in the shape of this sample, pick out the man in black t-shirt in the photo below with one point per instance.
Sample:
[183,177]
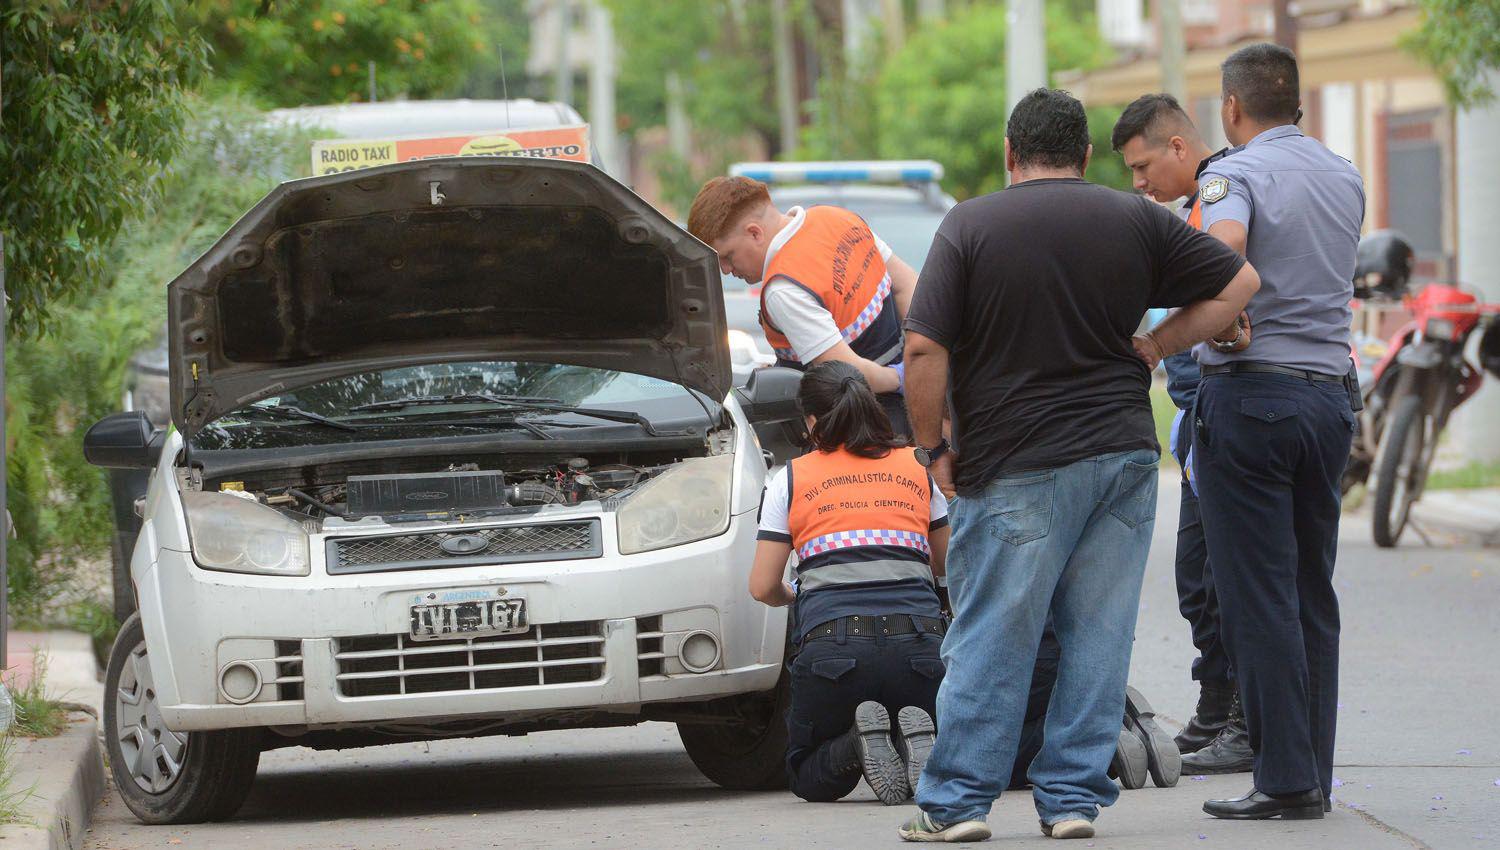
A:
[1025,309]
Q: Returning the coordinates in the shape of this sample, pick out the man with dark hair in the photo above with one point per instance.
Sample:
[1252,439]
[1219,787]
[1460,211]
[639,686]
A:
[1165,154]
[1028,300]
[1272,428]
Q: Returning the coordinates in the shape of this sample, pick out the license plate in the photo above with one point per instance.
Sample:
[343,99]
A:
[477,618]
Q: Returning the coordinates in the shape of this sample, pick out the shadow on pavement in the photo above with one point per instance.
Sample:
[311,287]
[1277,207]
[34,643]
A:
[318,792]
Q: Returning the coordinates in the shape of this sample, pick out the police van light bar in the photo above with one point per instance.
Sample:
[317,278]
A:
[870,171]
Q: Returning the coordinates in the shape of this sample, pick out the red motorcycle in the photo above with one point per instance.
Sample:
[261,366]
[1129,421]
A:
[1419,382]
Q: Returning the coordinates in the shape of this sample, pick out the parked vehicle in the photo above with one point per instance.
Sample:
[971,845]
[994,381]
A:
[146,382]
[443,464]
[1421,378]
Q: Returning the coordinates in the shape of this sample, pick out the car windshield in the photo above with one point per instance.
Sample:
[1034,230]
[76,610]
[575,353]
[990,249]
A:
[453,398]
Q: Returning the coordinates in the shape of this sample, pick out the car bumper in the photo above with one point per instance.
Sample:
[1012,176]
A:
[334,651]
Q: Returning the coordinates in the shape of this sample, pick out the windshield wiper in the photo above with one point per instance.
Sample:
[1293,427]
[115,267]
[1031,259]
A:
[455,398]
[512,402]
[289,412]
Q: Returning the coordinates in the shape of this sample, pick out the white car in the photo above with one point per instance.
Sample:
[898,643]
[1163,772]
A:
[455,453]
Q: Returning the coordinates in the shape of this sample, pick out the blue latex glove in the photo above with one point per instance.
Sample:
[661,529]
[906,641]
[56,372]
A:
[900,376]
[1172,441]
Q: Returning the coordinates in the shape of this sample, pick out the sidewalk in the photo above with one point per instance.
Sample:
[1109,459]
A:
[1473,514]
[65,774]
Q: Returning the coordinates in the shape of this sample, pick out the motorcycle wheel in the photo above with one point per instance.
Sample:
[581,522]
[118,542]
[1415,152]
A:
[1398,469]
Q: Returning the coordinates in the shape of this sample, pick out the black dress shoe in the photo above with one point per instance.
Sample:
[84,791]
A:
[1214,700]
[1229,753]
[1256,805]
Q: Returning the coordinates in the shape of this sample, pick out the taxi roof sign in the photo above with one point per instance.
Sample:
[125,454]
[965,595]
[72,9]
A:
[849,171]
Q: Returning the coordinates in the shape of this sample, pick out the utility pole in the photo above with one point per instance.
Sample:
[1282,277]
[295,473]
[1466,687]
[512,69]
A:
[370,67]
[679,131]
[931,10]
[1025,50]
[1173,51]
[893,16]
[1476,425]
[1284,25]
[786,91]
[602,90]
[856,15]
[562,73]
[7,708]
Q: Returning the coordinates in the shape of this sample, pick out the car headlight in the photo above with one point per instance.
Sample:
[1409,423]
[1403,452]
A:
[688,502]
[238,535]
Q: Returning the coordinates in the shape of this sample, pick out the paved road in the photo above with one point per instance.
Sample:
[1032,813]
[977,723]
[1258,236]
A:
[1418,759]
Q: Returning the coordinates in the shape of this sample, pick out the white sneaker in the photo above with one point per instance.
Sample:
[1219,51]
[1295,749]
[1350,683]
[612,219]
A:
[1069,828]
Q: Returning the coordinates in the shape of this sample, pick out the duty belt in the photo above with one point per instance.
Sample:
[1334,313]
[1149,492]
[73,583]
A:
[1272,369]
[862,625]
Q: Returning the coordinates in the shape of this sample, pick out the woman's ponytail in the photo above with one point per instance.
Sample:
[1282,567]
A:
[847,412]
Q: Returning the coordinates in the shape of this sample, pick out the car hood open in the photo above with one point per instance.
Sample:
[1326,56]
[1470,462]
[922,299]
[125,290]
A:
[443,260]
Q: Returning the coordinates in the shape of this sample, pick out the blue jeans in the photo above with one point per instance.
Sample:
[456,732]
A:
[1072,542]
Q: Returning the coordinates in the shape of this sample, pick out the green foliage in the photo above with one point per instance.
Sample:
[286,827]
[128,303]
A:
[1461,39]
[725,62]
[65,379]
[93,105]
[37,715]
[13,798]
[1470,476]
[942,96]
[286,53]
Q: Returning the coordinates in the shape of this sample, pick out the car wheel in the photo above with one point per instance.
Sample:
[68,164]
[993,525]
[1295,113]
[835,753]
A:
[748,754]
[165,776]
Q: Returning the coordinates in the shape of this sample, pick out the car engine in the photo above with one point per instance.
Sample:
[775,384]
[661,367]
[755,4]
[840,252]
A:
[460,490]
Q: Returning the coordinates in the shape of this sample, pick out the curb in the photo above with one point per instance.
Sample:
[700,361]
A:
[66,776]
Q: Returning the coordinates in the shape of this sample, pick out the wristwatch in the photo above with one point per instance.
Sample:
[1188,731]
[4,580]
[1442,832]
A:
[1230,346]
[927,457]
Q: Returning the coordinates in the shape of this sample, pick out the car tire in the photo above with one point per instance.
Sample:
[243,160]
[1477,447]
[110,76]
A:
[213,770]
[747,756]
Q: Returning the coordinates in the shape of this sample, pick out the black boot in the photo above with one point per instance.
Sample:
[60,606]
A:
[1229,752]
[1214,698]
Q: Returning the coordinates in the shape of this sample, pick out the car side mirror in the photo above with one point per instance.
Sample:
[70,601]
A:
[771,395]
[123,441]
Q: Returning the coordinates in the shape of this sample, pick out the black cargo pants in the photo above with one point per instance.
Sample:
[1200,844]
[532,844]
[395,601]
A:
[830,677]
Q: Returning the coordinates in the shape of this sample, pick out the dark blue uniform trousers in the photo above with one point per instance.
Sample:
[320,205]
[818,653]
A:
[831,677]
[1268,451]
[1196,599]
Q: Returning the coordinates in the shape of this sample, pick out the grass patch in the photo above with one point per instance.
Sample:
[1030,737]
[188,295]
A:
[12,798]
[1465,477]
[37,716]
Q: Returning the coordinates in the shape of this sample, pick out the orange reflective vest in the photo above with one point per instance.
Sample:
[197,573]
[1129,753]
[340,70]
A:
[1195,214]
[856,520]
[833,255]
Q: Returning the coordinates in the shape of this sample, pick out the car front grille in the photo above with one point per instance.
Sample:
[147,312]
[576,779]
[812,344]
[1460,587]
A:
[648,646]
[550,654]
[288,669]
[498,545]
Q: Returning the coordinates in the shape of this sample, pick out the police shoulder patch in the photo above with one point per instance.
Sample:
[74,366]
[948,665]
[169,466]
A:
[1214,190]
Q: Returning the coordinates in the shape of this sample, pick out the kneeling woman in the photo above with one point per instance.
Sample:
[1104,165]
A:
[870,530]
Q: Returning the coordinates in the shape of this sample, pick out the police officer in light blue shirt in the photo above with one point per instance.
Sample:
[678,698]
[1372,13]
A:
[1272,427]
